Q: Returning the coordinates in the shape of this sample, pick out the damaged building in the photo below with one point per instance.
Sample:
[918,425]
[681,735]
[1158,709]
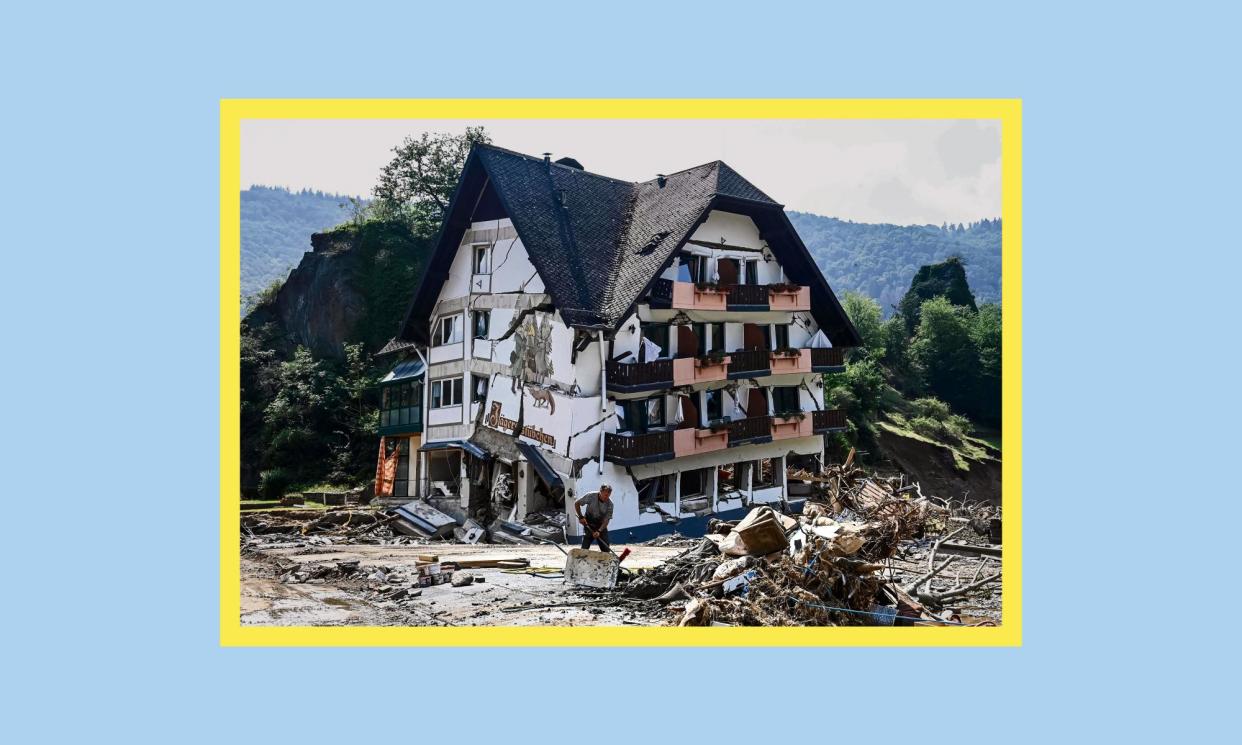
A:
[666,337]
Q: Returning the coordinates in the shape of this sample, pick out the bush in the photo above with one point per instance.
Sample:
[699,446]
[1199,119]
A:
[930,407]
[273,483]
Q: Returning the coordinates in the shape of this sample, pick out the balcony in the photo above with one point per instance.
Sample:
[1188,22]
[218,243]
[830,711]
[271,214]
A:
[749,363]
[694,370]
[791,362]
[786,426]
[693,441]
[789,297]
[687,296]
[831,420]
[750,430]
[666,293]
[639,376]
[831,359]
[633,450]
[747,297]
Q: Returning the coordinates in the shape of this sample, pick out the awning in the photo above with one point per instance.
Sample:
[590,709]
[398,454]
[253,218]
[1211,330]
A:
[407,369]
[543,468]
[469,447]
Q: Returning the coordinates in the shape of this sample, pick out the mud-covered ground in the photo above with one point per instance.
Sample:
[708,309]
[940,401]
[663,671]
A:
[359,577]
[534,596]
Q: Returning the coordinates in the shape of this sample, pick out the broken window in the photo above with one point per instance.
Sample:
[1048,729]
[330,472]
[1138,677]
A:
[653,490]
[444,468]
[728,478]
[478,388]
[694,482]
[713,405]
[657,334]
[640,415]
[692,268]
[752,271]
[482,320]
[766,473]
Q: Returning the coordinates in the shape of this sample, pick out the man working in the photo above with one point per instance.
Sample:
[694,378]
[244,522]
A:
[598,506]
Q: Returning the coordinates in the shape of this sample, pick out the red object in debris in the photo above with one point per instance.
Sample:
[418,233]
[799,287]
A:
[624,553]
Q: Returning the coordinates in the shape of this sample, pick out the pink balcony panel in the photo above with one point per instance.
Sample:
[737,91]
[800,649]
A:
[687,296]
[785,427]
[694,441]
[691,370]
[786,364]
[799,299]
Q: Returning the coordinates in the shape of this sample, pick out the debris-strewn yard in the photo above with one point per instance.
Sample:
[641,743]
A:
[864,550]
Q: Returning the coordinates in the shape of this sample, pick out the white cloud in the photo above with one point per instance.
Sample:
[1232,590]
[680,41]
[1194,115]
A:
[907,171]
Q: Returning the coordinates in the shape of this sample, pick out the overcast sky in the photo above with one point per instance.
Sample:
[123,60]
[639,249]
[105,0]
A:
[904,172]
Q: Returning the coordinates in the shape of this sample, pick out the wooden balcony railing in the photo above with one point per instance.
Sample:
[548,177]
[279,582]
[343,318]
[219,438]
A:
[827,421]
[750,429]
[629,450]
[824,359]
[640,376]
[749,363]
[751,297]
[662,290]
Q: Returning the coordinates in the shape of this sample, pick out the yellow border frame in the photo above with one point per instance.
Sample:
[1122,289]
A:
[232,111]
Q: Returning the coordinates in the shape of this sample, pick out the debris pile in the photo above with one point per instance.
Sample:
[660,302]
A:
[833,565]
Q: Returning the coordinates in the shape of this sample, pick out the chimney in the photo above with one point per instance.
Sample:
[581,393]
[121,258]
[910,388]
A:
[547,157]
[661,179]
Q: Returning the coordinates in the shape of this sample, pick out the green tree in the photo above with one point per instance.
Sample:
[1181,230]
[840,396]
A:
[985,332]
[417,184]
[945,350]
[867,317]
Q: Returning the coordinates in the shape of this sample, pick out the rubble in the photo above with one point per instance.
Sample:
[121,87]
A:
[836,564]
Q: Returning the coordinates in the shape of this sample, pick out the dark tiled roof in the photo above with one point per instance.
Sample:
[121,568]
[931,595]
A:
[395,345]
[598,242]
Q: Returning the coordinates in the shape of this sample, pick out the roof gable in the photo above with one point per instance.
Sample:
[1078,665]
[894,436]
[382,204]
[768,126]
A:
[598,242]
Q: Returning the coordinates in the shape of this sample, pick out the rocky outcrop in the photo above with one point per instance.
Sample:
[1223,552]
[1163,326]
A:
[353,285]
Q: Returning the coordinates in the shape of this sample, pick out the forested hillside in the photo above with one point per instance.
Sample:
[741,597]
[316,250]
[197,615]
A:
[879,260]
[276,226]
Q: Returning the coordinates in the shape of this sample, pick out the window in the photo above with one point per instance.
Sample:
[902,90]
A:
[482,320]
[765,473]
[656,333]
[752,272]
[445,393]
[785,399]
[782,336]
[710,337]
[638,416]
[729,478]
[401,404]
[692,268]
[694,482]
[482,259]
[478,388]
[448,331]
[713,405]
[654,490]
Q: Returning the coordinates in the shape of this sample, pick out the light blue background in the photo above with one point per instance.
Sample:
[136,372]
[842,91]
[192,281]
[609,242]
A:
[110,406]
